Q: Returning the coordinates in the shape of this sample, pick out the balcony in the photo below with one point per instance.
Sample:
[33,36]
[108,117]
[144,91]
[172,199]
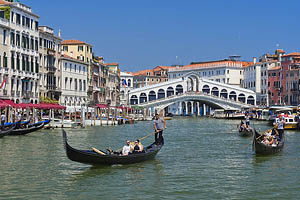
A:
[51,52]
[4,22]
[26,94]
[51,69]
[12,93]
[4,92]
[18,93]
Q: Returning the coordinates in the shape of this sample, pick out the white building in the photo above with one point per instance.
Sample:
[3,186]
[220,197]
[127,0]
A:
[126,86]
[223,71]
[19,52]
[50,51]
[74,82]
[256,76]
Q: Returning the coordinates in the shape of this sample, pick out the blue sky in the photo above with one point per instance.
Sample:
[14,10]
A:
[141,34]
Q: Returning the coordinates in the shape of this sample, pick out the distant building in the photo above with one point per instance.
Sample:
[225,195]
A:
[81,51]
[223,71]
[151,76]
[290,78]
[50,70]
[74,82]
[113,84]
[126,86]
[99,81]
[256,76]
[274,86]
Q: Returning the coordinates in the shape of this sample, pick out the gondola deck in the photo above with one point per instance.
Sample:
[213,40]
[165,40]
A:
[93,158]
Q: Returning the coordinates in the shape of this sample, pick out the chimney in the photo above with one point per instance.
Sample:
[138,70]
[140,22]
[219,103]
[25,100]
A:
[254,60]
[59,33]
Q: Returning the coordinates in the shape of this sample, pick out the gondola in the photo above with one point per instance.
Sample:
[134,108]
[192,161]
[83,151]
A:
[47,121]
[24,131]
[263,149]
[244,132]
[102,158]
[8,124]
[6,131]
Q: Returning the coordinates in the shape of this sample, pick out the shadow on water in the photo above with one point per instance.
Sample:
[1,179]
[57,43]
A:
[103,170]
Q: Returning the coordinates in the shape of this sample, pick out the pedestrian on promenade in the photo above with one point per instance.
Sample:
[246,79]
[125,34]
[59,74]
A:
[2,120]
[159,125]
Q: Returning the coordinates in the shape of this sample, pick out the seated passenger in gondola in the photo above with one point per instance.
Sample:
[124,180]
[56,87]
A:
[136,148]
[140,145]
[265,140]
[242,126]
[127,148]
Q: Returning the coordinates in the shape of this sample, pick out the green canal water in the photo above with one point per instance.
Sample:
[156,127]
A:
[202,159]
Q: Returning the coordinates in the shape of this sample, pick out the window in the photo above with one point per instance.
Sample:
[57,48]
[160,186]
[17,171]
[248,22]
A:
[227,73]
[12,62]
[65,48]
[80,48]
[12,16]
[66,82]
[36,25]
[66,66]
[18,40]
[12,38]
[18,19]
[4,36]
[84,85]
[76,86]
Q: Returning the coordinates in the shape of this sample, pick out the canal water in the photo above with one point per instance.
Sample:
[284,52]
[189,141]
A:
[202,159]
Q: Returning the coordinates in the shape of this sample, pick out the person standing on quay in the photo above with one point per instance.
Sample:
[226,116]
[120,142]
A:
[2,120]
[159,125]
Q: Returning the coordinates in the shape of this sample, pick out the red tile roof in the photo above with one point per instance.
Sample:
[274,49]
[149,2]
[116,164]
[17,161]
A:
[275,68]
[218,62]
[292,54]
[109,64]
[143,72]
[66,42]
[4,2]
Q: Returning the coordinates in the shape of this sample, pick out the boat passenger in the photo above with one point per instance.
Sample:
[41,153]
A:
[270,140]
[136,148]
[127,148]
[159,125]
[265,140]
[140,145]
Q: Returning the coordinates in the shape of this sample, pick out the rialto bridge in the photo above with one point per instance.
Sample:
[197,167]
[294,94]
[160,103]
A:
[192,95]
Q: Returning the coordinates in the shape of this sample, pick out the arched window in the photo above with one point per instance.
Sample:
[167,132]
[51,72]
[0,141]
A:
[242,98]
[251,100]
[232,95]
[152,96]
[143,98]
[206,89]
[179,89]
[215,91]
[224,93]
[161,94]
[133,100]
[170,91]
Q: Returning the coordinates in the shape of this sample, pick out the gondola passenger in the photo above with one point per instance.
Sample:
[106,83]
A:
[136,148]
[140,145]
[127,148]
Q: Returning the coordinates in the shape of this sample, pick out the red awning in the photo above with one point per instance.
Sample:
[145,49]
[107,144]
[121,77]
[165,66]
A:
[50,106]
[102,106]
[27,105]
[8,103]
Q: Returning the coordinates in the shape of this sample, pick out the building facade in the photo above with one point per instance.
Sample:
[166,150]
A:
[74,82]
[50,66]
[223,71]
[19,53]
[113,84]
[81,51]
[99,81]
[126,86]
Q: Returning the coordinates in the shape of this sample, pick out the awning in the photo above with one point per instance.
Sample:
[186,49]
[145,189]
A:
[9,103]
[50,106]
[102,105]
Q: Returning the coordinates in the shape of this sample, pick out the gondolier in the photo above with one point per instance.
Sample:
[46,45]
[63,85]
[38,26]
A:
[159,125]
[2,120]
[280,126]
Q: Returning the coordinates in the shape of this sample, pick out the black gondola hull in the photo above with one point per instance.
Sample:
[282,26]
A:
[245,133]
[93,158]
[25,131]
[263,149]
[6,132]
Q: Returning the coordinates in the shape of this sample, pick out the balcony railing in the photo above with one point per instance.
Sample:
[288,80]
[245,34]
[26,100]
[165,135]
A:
[51,69]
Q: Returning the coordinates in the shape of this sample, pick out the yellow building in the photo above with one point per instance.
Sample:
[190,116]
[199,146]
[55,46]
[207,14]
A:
[82,51]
